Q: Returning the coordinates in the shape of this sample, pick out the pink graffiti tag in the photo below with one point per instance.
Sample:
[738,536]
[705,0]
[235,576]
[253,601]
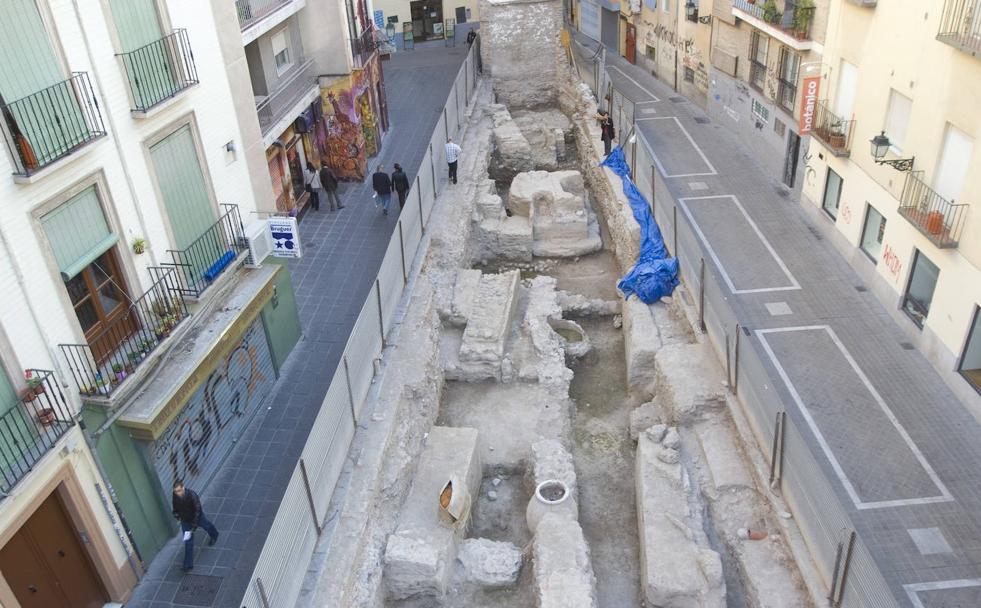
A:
[846,214]
[892,261]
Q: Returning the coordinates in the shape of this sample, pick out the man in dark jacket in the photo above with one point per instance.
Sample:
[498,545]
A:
[187,510]
[383,188]
[400,181]
[607,132]
[328,181]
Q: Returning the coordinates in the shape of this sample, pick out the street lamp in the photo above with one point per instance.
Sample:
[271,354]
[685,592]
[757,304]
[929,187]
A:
[880,146]
[691,10]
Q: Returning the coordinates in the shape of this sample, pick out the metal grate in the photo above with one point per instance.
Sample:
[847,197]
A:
[907,346]
[198,590]
[677,99]
[702,120]
[861,288]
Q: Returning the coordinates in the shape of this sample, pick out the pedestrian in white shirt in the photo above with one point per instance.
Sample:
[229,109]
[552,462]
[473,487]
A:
[313,186]
[452,155]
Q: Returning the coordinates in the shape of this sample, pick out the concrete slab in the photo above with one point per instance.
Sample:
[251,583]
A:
[563,571]
[492,312]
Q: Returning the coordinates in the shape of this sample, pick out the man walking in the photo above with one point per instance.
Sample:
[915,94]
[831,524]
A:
[328,181]
[187,510]
[383,188]
[400,181]
[452,155]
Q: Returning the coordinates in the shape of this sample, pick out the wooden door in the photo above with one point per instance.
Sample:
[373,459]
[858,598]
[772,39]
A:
[101,303]
[631,50]
[45,565]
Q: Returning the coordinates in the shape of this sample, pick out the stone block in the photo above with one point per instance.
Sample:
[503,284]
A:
[490,564]
[424,543]
[689,381]
[563,570]
[464,293]
[642,341]
[556,202]
[491,314]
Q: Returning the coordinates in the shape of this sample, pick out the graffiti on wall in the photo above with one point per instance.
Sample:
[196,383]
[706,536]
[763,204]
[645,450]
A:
[692,59]
[350,135]
[196,441]
[892,262]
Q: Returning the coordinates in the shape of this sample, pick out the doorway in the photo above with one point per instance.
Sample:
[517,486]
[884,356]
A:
[790,164]
[610,29]
[631,44]
[427,19]
[45,565]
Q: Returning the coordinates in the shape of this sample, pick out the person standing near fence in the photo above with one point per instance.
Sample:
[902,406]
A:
[187,510]
[328,181]
[607,133]
[313,186]
[383,188]
[452,156]
[400,181]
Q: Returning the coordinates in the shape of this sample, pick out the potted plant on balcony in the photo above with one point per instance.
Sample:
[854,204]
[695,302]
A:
[803,13]
[132,358]
[34,383]
[27,395]
[120,371]
[139,246]
[46,416]
[836,135]
[770,12]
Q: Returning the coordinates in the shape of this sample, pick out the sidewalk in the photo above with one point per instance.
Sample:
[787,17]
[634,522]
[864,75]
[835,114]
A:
[901,452]
[342,252]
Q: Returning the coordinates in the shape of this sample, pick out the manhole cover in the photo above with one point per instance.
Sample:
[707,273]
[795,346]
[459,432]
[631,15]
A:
[861,288]
[907,346]
[677,99]
[702,120]
[198,590]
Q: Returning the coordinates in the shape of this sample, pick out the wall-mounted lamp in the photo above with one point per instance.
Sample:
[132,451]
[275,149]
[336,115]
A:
[705,20]
[230,146]
[880,146]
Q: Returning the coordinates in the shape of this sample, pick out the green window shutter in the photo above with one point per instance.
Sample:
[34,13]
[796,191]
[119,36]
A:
[182,186]
[136,22]
[8,396]
[78,232]
[29,63]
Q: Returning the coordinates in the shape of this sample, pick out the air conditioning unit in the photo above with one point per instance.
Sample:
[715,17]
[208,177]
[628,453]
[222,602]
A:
[260,242]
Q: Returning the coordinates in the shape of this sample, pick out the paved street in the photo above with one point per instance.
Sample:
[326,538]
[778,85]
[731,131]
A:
[902,453]
[342,253]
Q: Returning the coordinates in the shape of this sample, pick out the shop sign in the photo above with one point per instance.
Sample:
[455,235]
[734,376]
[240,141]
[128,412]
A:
[808,103]
[285,237]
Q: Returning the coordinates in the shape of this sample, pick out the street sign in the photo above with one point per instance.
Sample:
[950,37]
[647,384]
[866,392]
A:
[285,237]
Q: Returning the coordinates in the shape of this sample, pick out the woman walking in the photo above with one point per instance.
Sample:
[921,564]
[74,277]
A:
[313,186]
[383,188]
[400,181]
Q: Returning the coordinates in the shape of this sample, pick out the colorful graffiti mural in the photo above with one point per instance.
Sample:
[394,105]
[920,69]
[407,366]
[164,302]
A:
[350,135]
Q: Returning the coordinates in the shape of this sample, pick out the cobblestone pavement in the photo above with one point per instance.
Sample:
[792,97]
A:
[342,253]
[902,453]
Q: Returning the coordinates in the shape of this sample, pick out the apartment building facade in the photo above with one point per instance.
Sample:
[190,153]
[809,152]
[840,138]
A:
[312,68]
[892,175]
[127,208]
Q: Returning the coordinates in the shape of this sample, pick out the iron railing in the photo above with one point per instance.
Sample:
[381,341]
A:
[51,123]
[757,74]
[279,103]
[938,219]
[833,130]
[31,426]
[104,362]
[864,3]
[203,261]
[960,25]
[160,70]
[363,47]
[754,9]
[252,11]
[794,20]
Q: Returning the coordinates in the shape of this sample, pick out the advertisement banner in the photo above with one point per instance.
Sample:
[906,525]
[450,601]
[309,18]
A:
[285,237]
[808,103]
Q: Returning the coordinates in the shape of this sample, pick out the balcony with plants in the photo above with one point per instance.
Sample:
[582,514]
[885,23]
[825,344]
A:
[834,131]
[960,26]
[160,70]
[50,124]
[938,219]
[30,426]
[789,23]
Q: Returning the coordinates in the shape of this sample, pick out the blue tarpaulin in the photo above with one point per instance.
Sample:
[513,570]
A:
[655,274]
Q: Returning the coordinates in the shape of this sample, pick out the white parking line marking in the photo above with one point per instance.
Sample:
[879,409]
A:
[944,496]
[639,86]
[664,172]
[913,589]
[718,262]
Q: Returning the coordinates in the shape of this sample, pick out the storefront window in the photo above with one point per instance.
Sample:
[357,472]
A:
[970,366]
[922,283]
[832,193]
[872,233]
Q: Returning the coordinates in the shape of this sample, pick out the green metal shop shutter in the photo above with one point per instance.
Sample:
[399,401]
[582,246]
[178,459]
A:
[182,185]
[196,442]
[78,232]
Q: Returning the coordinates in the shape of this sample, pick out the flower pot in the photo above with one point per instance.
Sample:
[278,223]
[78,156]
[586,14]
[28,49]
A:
[935,222]
[120,376]
[39,389]
[46,416]
[551,496]
[28,395]
[837,141]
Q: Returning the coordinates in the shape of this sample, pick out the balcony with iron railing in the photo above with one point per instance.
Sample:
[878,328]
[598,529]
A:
[104,362]
[833,130]
[960,26]
[251,12]
[282,102]
[31,426]
[201,263]
[160,70]
[363,47]
[938,219]
[791,26]
[52,123]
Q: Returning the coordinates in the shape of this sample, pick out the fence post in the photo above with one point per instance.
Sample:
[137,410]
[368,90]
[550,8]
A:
[432,167]
[701,295]
[633,151]
[306,485]
[350,392]
[466,85]
[456,100]
[381,321]
[446,122]
[844,569]
[405,276]
[728,364]
[422,218]
[653,190]
[674,233]
[735,363]
[776,450]
[262,592]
